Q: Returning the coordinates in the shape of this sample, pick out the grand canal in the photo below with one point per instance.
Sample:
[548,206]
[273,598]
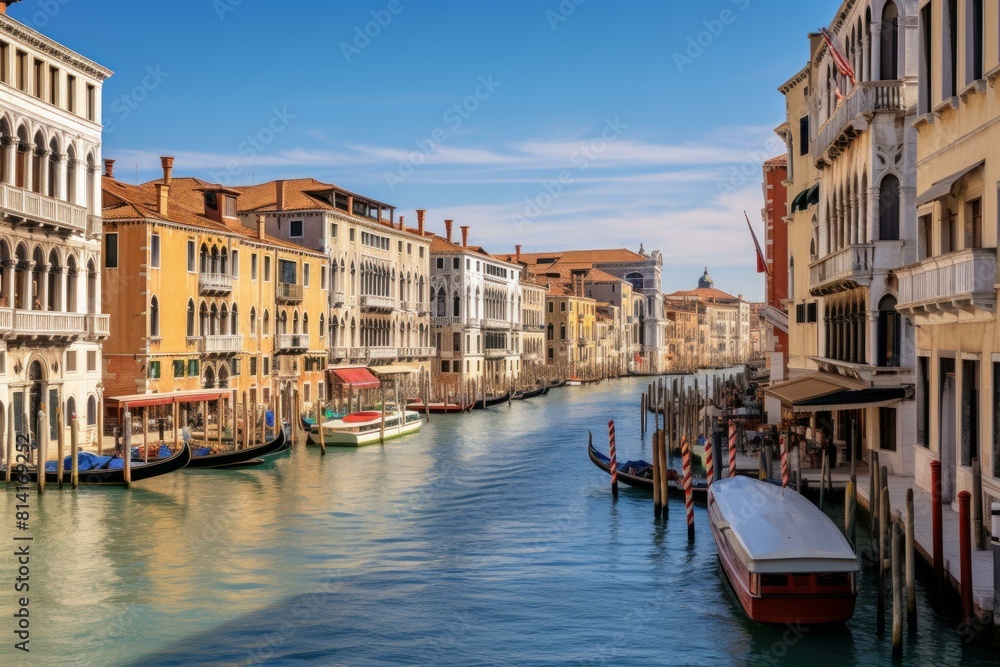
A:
[488,539]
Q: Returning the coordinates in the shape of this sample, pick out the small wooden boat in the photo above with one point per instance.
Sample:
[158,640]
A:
[591,381]
[438,408]
[639,474]
[490,402]
[108,470]
[785,559]
[250,463]
[366,428]
[239,456]
[556,384]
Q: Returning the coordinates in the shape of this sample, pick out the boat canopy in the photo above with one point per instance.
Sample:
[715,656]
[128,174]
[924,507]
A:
[356,378]
[775,530]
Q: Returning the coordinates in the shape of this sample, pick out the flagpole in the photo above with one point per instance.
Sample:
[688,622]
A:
[763,260]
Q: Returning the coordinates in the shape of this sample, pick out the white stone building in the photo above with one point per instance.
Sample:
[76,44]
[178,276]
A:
[50,231]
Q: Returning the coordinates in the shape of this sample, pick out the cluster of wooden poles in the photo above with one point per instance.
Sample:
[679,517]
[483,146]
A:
[43,444]
[684,419]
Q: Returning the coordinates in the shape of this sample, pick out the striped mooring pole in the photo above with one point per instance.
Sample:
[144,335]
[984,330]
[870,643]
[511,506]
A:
[732,449]
[614,458]
[688,489]
[784,461]
[709,461]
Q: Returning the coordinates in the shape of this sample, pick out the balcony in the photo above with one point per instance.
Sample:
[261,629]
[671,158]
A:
[447,321]
[854,115]
[337,299]
[98,326]
[217,344]
[287,342]
[496,354]
[417,352]
[214,283]
[382,353]
[288,293]
[335,354]
[494,323]
[31,206]
[954,287]
[534,327]
[845,269]
[373,302]
[41,324]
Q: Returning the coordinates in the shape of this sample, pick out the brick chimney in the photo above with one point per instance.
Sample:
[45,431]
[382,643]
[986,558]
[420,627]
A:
[167,163]
[447,229]
[350,205]
[109,164]
[260,226]
[518,249]
[5,3]
[465,236]
[279,195]
[420,220]
[401,225]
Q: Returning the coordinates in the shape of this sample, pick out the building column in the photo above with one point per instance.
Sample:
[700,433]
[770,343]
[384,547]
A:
[43,278]
[865,59]
[9,276]
[43,176]
[876,51]
[58,188]
[9,158]
[872,213]
[28,301]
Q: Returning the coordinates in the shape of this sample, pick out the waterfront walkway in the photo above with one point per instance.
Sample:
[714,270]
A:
[982,561]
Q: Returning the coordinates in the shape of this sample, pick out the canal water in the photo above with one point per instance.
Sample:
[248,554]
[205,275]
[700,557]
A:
[487,539]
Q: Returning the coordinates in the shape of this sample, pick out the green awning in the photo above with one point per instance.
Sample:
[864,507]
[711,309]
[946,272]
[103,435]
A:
[814,195]
[799,203]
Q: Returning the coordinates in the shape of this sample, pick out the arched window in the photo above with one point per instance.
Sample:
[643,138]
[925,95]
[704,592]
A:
[441,305]
[91,410]
[253,321]
[562,332]
[70,410]
[234,324]
[154,317]
[267,323]
[888,332]
[889,67]
[190,318]
[635,279]
[888,209]
[791,278]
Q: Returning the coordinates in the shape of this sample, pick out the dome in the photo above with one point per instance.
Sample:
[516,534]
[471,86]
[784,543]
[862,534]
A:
[706,280]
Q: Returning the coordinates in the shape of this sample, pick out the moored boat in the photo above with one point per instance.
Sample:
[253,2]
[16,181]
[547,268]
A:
[639,474]
[109,470]
[785,559]
[237,457]
[490,402]
[531,393]
[366,428]
[573,381]
[438,408]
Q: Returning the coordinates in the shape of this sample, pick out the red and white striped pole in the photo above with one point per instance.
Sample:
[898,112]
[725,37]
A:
[709,461]
[688,489]
[784,462]
[732,449]
[614,458]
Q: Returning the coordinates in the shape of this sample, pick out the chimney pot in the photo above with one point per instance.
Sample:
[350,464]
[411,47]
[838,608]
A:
[518,249]
[109,168]
[168,168]
[447,228]
[420,220]
[5,3]
[260,226]
[401,225]
[465,236]
[350,205]
[279,195]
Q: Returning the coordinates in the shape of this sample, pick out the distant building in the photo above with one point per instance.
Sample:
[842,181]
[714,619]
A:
[722,334]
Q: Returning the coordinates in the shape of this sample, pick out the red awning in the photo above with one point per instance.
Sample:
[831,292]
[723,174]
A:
[356,378]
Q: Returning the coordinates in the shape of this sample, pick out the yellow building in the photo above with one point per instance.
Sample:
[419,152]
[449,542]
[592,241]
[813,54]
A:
[950,293]
[199,300]
[570,321]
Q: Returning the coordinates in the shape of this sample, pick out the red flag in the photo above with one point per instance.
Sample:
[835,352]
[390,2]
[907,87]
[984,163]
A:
[761,262]
[837,53]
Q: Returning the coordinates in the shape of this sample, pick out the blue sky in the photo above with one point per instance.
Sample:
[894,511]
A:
[580,123]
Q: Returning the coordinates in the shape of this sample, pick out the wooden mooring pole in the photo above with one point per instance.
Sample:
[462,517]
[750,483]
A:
[74,450]
[127,448]
[911,589]
[850,511]
[43,436]
[897,594]
[657,506]
[60,446]
[664,476]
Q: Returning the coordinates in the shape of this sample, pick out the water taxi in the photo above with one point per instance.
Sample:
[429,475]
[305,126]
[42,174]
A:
[785,559]
[365,428]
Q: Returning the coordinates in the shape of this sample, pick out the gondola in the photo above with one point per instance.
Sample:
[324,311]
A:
[639,474]
[239,456]
[490,402]
[556,384]
[438,408]
[531,393]
[108,476]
